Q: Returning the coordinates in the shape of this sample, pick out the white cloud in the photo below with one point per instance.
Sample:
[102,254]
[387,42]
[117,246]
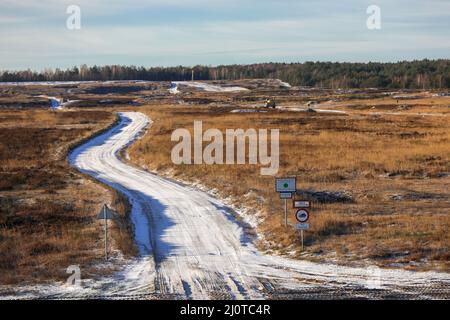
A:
[330,35]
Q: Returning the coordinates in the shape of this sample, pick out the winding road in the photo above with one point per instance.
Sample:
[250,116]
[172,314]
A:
[191,246]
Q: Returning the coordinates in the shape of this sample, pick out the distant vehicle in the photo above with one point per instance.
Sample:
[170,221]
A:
[270,103]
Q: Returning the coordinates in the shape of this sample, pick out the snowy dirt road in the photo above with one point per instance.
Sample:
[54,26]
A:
[197,248]
[191,246]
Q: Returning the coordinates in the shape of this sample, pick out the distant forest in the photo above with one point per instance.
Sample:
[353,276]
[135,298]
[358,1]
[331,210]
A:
[423,74]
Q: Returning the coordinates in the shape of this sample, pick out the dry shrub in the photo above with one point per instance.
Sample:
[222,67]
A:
[48,211]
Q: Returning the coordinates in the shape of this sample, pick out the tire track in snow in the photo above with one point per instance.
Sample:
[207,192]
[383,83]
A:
[190,239]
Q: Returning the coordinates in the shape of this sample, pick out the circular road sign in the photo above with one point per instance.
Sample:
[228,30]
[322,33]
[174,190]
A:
[302,215]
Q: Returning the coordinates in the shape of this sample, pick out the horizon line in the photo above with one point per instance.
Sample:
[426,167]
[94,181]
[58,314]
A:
[220,65]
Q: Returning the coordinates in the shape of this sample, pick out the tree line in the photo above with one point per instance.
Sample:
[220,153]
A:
[418,74]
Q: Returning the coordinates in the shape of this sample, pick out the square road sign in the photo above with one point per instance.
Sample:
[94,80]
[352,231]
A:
[302,226]
[285,195]
[285,185]
[302,204]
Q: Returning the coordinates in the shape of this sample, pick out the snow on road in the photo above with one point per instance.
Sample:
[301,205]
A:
[191,245]
[55,103]
[197,246]
[174,88]
[284,84]
[58,103]
[298,109]
[204,86]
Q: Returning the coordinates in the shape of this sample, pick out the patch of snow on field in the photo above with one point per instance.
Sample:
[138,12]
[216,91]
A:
[284,84]
[209,87]
[247,110]
[302,109]
[330,111]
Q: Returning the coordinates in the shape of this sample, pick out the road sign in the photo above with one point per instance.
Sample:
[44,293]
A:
[301,204]
[302,226]
[109,214]
[302,215]
[285,195]
[285,185]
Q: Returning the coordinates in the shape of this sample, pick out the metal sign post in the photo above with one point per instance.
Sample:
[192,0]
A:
[287,187]
[302,217]
[301,235]
[105,220]
[285,196]
[105,215]
[285,213]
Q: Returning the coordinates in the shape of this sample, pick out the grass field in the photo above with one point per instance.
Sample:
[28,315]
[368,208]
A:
[377,173]
[48,211]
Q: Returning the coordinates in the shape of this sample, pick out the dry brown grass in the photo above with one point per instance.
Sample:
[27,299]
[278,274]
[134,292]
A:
[48,211]
[393,166]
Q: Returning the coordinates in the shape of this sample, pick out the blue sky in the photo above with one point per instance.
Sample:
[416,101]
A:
[33,34]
